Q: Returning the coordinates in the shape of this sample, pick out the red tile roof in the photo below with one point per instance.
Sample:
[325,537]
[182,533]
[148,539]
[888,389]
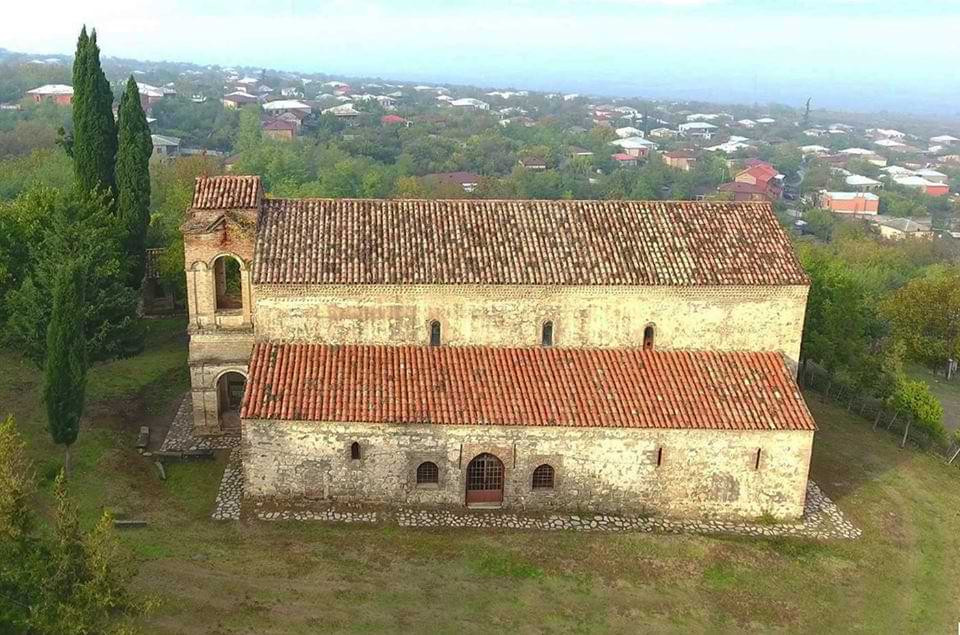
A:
[227,192]
[620,388]
[342,241]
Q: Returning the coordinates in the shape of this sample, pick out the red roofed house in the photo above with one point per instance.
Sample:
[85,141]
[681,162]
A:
[467,353]
[760,182]
[394,120]
[624,160]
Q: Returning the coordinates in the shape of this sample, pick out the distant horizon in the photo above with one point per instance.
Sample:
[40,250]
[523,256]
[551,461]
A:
[850,55]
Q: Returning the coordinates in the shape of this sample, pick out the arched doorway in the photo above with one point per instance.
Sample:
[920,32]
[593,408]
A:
[229,399]
[226,273]
[485,480]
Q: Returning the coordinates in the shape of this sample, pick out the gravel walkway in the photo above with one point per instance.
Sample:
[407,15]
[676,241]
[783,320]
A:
[822,520]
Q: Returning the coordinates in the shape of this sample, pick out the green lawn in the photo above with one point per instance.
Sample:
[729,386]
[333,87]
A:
[258,577]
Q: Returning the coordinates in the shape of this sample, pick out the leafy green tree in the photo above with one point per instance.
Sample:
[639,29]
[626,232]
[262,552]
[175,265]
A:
[71,581]
[925,316]
[82,227]
[94,129]
[133,180]
[839,326]
[249,133]
[915,399]
[65,370]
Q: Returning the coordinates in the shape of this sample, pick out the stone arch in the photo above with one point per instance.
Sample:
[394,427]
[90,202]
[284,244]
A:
[228,275]
[230,385]
[485,480]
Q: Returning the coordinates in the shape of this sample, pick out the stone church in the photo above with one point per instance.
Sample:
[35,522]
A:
[632,357]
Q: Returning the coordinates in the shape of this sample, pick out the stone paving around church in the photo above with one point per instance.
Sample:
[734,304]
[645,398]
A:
[822,519]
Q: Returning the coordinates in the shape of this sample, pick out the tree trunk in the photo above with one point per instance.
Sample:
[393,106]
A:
[894,420]
[66,461]
[877,420]
[906,431]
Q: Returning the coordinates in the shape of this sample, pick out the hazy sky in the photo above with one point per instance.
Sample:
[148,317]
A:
[857,54]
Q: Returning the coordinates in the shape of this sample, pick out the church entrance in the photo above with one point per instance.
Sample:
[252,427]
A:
[229,399]
[485,480]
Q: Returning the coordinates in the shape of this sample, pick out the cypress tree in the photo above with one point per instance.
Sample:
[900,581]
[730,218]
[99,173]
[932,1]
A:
[94,129]
[65,371]
[134,147]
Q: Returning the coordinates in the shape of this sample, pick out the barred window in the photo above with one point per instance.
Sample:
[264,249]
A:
[543,477]
[427,473]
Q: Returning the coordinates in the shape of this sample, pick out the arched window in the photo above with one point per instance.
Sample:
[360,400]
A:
[648,338]
[543,477]
[355,451]
[546,335]
[226,274]
[434,333]
[428,473]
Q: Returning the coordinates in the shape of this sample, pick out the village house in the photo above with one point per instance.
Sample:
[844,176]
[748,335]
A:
[680,159]
[60,94]
[440,353]
[850,202]
[697,129]
[863,183]
[533,163]
[623,160]
[468,181]
[165,146]
[635,146]
[944,140]
[281,106]
[759,182]
[893,228]
[924,185]
[394,120]
[280,129]
[237,99]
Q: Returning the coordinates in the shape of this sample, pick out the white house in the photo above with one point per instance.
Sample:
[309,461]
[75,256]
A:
[700,129]
[470,102]
[285,105]
[863,183]
[628,131]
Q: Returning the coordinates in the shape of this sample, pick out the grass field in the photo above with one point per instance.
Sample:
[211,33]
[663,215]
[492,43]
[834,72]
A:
[305,578]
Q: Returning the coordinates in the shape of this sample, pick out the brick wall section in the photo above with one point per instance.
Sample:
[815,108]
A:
[724,318]
[606,470]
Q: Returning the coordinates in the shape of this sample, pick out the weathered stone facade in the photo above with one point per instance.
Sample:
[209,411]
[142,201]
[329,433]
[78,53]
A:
[681,273]
[728,318]
[607,470]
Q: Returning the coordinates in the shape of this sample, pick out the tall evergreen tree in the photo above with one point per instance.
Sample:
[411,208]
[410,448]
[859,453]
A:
[65,371]
[94,129]
[134,147]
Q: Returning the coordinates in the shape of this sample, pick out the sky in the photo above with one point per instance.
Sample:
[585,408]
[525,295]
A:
[864,55]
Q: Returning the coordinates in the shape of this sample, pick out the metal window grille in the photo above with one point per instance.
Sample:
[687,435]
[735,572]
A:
[427,473]
[543,477]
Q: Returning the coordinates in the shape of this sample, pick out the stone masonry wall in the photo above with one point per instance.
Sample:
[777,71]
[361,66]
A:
[699,318]
[605,470]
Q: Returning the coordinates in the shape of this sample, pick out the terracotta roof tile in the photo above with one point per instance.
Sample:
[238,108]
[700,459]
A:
[227,192]
[628,388]
[348,241]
